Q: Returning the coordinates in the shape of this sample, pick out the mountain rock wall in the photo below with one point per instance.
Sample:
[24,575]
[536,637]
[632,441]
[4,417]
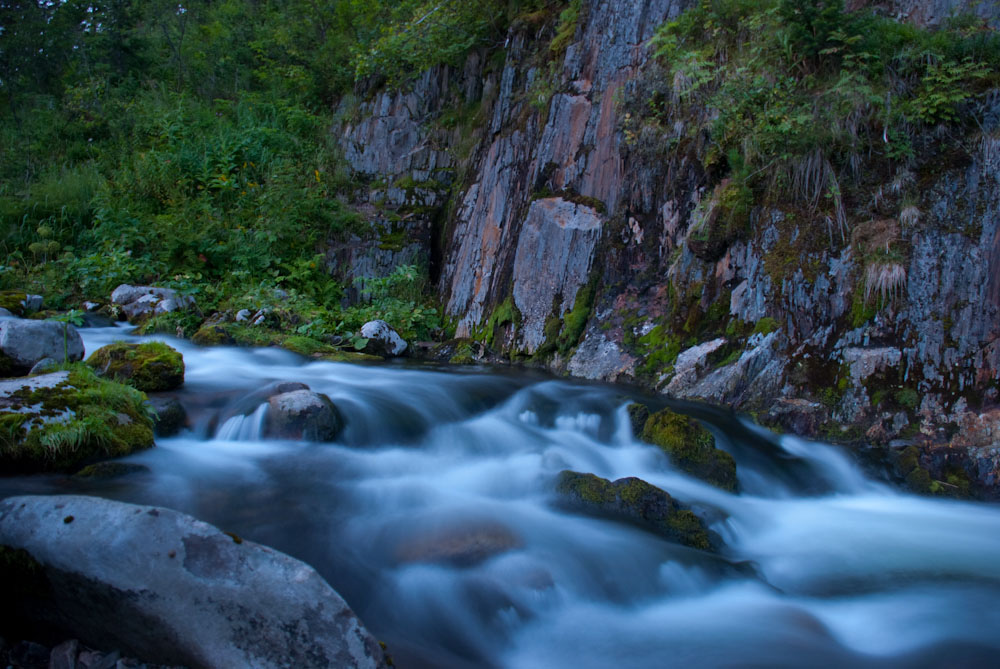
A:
[563,230]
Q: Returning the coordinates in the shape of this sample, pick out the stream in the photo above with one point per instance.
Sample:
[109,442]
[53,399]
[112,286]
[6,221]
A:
[822,566]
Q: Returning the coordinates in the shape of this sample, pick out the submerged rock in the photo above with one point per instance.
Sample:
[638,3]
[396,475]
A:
[636,501]
[462,545]
[382,339]
[303,414]
[691,448]
[150,366]
[174,589]
[111,470]
[26,342]
[61,420]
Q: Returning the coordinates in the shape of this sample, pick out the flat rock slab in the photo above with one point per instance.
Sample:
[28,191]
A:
[163,586]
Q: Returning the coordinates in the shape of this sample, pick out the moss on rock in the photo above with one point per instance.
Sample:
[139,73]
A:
[149,367]
[691,447]
[13,301]
[61,421]
[637,502]
[213,335]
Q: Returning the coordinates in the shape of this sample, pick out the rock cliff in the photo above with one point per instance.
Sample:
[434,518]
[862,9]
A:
[562,229]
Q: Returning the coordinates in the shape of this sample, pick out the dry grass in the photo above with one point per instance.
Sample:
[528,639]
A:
[885,281]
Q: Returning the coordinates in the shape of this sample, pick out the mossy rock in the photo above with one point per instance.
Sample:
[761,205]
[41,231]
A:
[13,301]
[149,367]
[691,448]
[637,502]
[213,335]
[62,421]
[111,470]
[638,414]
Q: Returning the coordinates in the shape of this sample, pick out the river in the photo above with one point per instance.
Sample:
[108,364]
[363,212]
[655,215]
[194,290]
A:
[822,566]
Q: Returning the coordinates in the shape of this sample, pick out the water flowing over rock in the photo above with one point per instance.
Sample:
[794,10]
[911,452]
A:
[27,342]
[303,414]
[174,589]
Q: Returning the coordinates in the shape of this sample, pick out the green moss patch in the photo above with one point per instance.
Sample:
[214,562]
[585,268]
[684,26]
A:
[79,418]
[149,367]
[691,447]
[13,301]
[635,501]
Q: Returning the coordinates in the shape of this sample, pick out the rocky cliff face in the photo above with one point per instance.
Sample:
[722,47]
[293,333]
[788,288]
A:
[563,230]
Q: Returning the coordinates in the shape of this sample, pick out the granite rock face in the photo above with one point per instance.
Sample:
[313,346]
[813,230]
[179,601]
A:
[163,586]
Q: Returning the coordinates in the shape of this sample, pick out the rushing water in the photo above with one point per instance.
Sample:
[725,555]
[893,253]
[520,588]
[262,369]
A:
[821,565]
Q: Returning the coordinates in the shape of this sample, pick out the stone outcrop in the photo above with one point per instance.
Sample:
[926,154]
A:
[560,179]
[165,587]
[149,367]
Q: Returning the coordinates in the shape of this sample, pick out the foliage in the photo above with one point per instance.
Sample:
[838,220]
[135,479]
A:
[794,94]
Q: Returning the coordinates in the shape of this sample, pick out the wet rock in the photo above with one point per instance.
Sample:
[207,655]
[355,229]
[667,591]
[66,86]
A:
[170,416]
[303,414]
[26,342]
[176,590]
[382,339]
[243,315]
[638,414]
[149,367]
[111,470]
[464,545]
[5,313]
[691,448]
[798,416]
[635,501]
[95,320]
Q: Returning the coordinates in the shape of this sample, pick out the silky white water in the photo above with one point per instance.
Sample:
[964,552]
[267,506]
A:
[821,566]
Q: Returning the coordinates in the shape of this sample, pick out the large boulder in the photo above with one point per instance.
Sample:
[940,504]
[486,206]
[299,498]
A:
[382,339]
[150,366]
[139,303]
[25,342]
[303,414]
[635,501]
[63,420]
[160,585]
[691,448]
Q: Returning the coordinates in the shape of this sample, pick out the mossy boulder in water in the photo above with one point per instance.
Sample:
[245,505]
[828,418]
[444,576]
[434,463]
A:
[690,447]
[63,420]
[635,501]
[149,367]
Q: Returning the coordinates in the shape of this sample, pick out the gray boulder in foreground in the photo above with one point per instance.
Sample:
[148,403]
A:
[27,341]
[168,588]
[303,414]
